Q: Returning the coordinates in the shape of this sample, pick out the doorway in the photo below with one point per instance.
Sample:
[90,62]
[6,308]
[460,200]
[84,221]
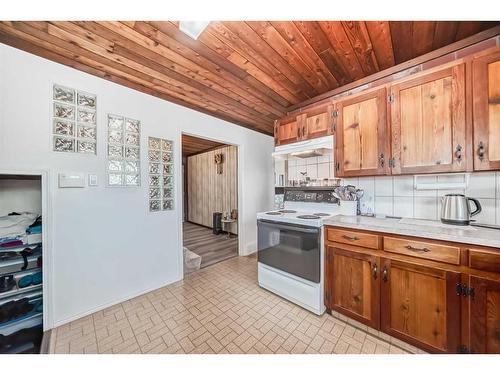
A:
[210,202]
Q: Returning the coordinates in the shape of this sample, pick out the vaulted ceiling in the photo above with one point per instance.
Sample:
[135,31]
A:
[248,73]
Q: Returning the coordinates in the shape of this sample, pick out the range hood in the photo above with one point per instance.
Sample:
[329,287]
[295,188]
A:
[305,149]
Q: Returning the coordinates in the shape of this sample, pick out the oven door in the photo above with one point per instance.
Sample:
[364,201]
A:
[291,248]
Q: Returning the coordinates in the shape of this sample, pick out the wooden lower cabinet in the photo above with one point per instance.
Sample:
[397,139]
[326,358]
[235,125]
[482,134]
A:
[484,315]
[355,285]
[420,305]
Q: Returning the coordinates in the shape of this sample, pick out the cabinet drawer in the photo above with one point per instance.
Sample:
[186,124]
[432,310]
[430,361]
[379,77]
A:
[352,238]
[485,260]
[425,250]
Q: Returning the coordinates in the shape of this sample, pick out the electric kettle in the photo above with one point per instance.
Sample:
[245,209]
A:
[455,209]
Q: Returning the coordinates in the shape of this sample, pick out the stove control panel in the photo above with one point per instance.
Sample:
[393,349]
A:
[317,196]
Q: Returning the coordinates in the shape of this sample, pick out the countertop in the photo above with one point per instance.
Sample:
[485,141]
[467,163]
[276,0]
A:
[420,228]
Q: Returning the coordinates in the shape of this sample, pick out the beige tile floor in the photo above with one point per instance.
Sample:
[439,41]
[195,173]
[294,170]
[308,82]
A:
[219,309]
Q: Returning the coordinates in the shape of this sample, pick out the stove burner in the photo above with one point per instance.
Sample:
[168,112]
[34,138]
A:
[321,214]
[307,217]
[287,211]
[273,213]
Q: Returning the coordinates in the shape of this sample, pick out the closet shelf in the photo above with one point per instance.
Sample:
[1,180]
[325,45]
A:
[19,248]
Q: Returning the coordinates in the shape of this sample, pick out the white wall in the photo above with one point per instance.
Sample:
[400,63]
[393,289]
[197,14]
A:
[20,196]
[107,247]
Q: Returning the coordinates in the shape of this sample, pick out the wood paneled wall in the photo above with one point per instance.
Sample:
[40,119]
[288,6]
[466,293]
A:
[209,192]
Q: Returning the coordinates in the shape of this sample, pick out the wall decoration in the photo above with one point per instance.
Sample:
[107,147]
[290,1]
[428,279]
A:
[219,159]
[74,121]
[124,167]
[161,174]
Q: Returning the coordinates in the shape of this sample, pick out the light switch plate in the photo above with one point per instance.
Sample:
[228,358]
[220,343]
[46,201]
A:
[71,180]
[92,180]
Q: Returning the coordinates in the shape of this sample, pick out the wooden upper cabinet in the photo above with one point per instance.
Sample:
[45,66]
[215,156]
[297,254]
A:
[485,316]
[287,131]
[486,110]
[420,305]
[354,287]
[428,122]
[318,122]
[362,146]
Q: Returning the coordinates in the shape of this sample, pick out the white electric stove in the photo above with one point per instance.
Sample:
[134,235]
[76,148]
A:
[290,246]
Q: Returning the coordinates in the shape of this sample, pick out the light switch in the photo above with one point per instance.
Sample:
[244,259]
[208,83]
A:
[92,180]
[71,180]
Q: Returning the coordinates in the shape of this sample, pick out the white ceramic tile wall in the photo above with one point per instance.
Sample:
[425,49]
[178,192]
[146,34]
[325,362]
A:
[396,196]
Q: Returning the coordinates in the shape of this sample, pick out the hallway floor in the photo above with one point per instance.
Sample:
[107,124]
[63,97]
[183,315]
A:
[219,309]
[211,247]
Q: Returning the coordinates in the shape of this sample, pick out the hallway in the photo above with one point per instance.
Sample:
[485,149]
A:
[212,248]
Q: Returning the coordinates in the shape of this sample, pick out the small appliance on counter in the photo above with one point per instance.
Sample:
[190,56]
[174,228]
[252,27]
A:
[455,209]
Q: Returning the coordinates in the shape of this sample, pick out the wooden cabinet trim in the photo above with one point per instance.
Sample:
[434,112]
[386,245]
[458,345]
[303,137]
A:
[486,260]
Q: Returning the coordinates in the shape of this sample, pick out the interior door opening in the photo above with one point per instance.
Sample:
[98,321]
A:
[210,202]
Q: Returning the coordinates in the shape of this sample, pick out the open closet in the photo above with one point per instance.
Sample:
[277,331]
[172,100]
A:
[21,281]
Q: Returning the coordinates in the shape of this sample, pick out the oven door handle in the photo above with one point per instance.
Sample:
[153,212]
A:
[293,227]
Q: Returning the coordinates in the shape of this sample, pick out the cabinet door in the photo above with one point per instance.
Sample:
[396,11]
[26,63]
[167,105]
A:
[485,316]
[420,305]
[354,285]
[486,109]
[362,147]
[318,122]
[287,130]
[428,122]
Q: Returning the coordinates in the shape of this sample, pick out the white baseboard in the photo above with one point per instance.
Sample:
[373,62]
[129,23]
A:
[112,302]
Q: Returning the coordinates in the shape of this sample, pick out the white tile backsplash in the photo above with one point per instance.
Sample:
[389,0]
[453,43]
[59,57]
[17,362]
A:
[384,186]
[395,195]
[324,170]
[425,208]
[482,185]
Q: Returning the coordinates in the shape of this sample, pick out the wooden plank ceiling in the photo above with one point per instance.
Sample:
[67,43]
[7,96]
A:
[194,145]
[248,73]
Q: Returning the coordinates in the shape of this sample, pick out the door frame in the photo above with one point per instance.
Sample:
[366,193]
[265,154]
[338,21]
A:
[239,188]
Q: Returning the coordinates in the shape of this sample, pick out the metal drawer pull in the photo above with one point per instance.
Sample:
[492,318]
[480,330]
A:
[350,238]
[417,249]
[385,276]
[375,270]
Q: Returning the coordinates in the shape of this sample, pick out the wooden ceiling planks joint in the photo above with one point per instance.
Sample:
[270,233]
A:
[246,72]
[192,145]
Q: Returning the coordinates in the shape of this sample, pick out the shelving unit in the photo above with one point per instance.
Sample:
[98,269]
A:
[21,332]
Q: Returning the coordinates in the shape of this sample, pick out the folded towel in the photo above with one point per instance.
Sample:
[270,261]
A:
[34,230]
[16,225]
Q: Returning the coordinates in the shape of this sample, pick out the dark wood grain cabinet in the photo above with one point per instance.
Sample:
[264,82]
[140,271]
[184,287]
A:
[420,305]
[448,302]
[355,285]
[484,315]
[444,119]
[361,138]
[486,110]
[428,122]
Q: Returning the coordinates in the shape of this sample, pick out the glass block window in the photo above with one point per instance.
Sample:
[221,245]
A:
[161,174]
[74,121]
[124,167]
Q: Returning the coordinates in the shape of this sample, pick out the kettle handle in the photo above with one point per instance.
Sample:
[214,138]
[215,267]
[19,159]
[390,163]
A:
[477,204]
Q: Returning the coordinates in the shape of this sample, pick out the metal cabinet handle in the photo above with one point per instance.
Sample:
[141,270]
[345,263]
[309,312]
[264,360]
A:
[381,160]
[417,249]
[480,151]
[350,238]
[385,276]
[374,271]
[299,132]
[458,153]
